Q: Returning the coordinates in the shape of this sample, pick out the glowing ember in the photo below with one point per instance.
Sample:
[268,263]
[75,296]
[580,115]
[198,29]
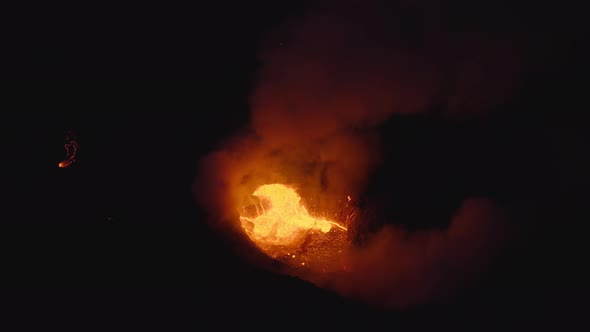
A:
[71,150]
[281,219]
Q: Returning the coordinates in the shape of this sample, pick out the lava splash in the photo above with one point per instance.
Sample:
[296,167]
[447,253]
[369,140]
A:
[281,226]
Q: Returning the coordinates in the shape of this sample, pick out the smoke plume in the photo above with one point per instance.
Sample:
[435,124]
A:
[330,78]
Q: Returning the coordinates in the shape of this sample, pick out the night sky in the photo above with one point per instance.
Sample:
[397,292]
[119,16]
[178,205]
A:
[151,89]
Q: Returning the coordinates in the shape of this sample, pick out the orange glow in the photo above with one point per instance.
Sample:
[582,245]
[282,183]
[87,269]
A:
[280,225]
[281,219]
[71,150]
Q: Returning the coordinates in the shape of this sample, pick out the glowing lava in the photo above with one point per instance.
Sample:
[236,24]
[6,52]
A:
[281,219]
[71,150]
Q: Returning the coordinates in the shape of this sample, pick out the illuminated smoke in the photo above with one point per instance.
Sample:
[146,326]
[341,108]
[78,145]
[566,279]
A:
[335,75]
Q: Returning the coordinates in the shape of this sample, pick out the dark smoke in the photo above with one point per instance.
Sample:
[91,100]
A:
[400,269]
[339,72]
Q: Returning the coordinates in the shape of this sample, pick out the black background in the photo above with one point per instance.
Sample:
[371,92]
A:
[149,89]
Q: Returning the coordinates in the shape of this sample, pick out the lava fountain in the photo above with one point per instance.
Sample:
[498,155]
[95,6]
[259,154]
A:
[277,222]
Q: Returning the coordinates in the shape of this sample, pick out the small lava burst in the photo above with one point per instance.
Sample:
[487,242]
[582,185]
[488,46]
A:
[71,150]
[281,226]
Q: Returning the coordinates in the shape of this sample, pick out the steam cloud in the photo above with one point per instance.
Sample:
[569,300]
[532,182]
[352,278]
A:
[346,67]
